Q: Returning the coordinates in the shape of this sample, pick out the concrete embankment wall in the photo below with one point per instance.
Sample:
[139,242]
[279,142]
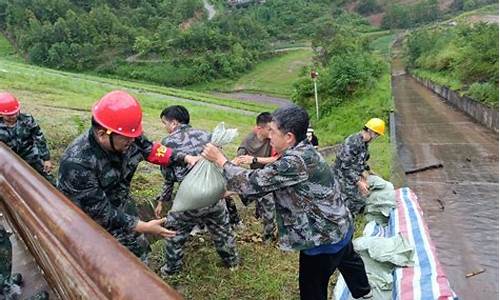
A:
[481,113]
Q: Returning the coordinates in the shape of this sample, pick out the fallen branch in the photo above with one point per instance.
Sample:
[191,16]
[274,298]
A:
[441,203]
[421,169]
[475,273]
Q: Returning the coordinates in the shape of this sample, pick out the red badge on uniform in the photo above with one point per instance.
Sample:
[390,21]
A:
[160,155]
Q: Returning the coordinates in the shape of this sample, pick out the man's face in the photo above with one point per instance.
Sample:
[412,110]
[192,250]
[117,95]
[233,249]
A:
[121,143]
[279,140]
[10,119]
[170,125]
[373,135]
[264,130]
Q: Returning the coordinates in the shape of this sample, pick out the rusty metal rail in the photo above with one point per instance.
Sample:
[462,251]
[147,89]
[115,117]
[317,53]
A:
[79,259]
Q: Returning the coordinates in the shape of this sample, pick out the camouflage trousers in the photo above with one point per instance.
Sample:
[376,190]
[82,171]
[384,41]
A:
[234,217]
[267,211]
[134,241]
[5,254]
[216,220]
[353,198]
[10,284]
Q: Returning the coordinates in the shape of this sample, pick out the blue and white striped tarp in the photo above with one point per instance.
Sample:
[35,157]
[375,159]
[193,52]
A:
[426,279]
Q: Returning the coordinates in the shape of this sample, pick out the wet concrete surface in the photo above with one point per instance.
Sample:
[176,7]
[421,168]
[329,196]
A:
[24,263]
[466,230]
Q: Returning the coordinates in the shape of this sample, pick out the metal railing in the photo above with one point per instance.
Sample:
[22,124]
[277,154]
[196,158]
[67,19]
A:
[79,259]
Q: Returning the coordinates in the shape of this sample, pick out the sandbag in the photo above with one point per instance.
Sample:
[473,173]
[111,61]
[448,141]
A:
[204,185]
[381,200]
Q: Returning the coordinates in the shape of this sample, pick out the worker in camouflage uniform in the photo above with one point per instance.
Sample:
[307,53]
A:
[351,162]
[10,284]
[22,134]
[255,150]
[97,167]
[312,217]
[183,138]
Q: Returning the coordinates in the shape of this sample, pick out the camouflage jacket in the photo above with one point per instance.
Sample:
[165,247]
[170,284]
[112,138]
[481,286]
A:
[99,181]
[25,138]
[351,159]
[185,140]
[309,209]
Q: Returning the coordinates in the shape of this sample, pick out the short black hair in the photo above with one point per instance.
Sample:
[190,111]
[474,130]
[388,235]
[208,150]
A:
[292,119]
[264,118]
[96,125]
[176,112]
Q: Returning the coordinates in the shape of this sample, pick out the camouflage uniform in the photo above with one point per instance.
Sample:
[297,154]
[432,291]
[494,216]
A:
[27,140]
[264,206]
[99,183]
[234,217]
[349,165]
[10,284]
[5,254]
[309,209]
[215,217]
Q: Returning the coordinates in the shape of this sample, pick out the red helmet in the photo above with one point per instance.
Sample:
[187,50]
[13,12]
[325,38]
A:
[9,105]
[120,113]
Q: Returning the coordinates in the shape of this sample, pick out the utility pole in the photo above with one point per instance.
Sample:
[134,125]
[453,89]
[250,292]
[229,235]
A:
[314,76]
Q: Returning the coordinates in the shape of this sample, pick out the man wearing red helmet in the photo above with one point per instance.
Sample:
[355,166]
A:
[97,167]
[22,134]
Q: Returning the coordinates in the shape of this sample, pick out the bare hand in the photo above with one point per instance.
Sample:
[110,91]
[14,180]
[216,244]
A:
[229,194]
[236,161]
[47,166]
[158,209]
[213,154]
[155,227]
[363,187]
[245,159]
[191,160]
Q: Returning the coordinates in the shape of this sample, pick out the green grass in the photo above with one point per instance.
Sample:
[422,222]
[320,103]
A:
[441,78]
[61,102]
[382,44]
[274,76]
[350,117]
[61,105]
[7,51]
[491,9]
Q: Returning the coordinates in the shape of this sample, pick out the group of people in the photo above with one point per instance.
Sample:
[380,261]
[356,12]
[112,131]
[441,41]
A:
[311,203]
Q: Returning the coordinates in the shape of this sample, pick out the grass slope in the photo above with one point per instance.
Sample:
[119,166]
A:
[274,76]
[61,102]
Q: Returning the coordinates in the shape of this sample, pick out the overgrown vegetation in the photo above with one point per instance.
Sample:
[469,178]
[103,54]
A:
[353,86]
[346,66]
[163,41]
[411,15]
[463,57]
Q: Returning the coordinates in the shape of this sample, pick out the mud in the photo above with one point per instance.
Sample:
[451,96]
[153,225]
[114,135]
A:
[460,200]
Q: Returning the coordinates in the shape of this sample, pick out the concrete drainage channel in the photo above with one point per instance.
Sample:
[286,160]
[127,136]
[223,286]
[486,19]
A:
[460,197]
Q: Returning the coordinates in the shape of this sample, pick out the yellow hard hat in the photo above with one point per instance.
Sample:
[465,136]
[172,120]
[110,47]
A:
[376,125]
